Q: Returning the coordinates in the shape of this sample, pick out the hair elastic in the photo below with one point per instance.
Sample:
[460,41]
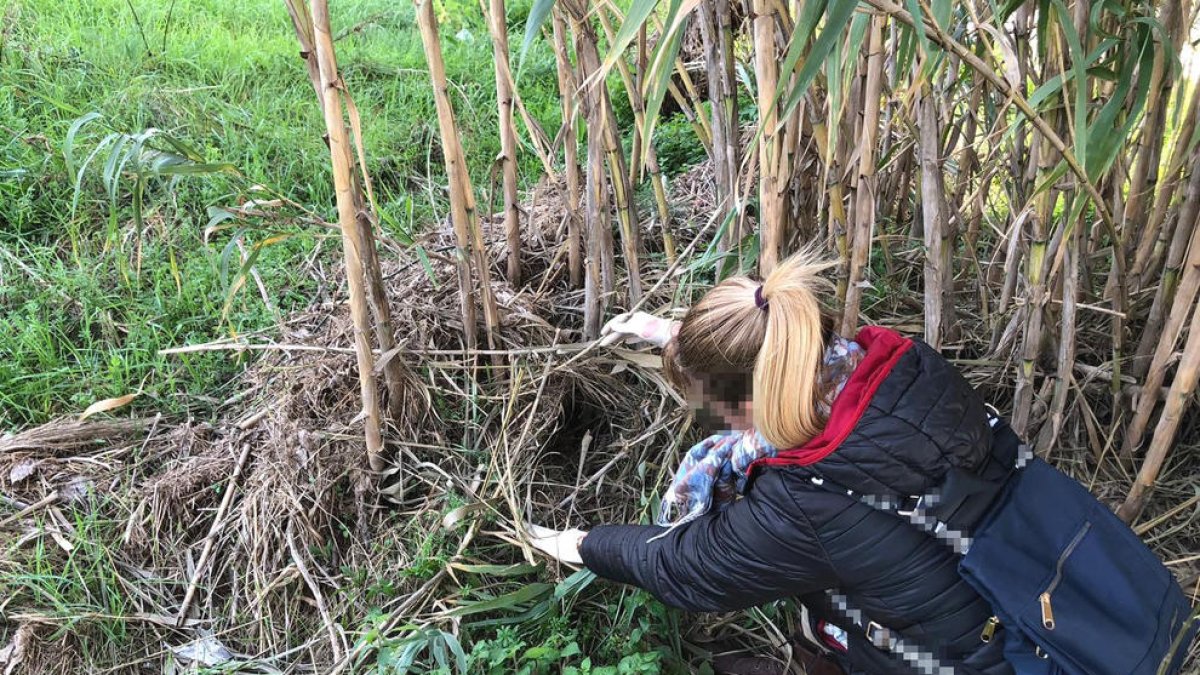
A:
[759,301]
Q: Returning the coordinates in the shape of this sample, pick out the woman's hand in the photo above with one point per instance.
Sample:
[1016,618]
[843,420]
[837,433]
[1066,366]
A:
[638,326]
[562,546]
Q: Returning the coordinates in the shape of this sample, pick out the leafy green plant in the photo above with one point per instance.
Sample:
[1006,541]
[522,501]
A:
[508,653]
[403,655]
[138,157]
[675,141]
[645,663]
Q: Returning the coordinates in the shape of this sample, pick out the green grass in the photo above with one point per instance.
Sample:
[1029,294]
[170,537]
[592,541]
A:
[87,298]
[80,591]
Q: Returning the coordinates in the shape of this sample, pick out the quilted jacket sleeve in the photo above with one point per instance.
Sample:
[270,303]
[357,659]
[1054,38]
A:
[759,549]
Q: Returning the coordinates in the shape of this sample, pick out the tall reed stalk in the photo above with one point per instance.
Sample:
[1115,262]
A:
[471,260]
[353,241]
[498,25]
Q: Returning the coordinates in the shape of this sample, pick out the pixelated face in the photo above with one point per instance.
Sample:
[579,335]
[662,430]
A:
[721,402]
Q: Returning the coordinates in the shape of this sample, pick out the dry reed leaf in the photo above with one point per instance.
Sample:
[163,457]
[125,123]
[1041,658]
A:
[13,654]
[107,405]
[461,513]
[206,651]
[643,359]
[22,470]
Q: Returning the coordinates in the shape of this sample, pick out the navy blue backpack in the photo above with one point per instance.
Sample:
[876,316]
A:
[1073,589]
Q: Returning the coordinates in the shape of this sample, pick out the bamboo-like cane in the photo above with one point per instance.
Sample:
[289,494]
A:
[1036,266]
[934,217]
[567,93]
[1155,235]
[1175,269]
[717,32]
[622,192]
[771,211]
[598,283]
[1044,127]
[969,160]
[302,23]
[688,105]
[1034,312]
[1184,296]
[693,98]
[638,105]
[335,127]
[641,64]
[1177,401]
[1066,343]
[1150,140]
[462,199]
[394,370]
[498,25]
[864,193]
[699,125]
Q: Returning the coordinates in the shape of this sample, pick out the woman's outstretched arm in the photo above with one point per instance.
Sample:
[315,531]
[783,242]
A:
[759,549]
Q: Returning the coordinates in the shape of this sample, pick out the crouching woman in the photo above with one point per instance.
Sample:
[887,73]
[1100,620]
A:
[744,523]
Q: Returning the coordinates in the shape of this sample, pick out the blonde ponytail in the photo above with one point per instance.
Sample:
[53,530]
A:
[787,370]
[737,350]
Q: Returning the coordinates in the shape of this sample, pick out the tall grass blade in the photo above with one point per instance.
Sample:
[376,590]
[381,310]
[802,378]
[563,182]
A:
[538,13]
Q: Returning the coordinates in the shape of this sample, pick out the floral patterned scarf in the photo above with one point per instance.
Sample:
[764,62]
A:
[713,472]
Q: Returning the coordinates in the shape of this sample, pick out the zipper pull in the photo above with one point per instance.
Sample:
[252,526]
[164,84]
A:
[989,629]
[1047,611]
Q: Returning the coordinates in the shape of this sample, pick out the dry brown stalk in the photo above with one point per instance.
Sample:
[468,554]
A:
[463,214]
[394,372]
[618,170]
[1177,401]
[498,25]
[623,197]
[598,283]
[336,643]
[218,523]
[1181,304]
[30,509]
[1066,343]
[567,92]
[1150,142]
[772,207]
[938,251]
[1177,275]
[352,239]
[717,33]
[864,193]
[1156,234]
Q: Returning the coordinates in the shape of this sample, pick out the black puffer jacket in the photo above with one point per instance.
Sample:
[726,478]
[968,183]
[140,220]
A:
[905,417]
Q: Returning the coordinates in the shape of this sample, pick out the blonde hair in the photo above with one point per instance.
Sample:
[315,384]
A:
[771,355]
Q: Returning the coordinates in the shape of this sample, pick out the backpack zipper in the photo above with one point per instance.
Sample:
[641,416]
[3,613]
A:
[1044,598]
[989,629]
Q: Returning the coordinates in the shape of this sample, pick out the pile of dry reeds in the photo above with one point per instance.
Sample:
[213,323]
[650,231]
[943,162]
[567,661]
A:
[258,534]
